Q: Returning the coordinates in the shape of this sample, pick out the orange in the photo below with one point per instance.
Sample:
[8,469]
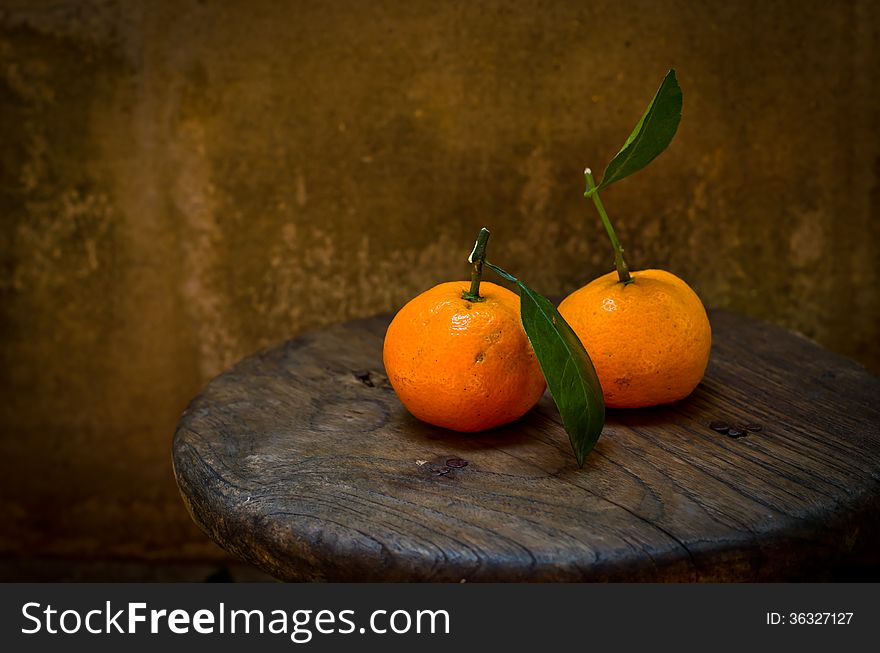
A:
[460,364]
[649,340]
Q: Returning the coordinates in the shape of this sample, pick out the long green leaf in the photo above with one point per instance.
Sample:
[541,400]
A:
[651,134]
[566,366]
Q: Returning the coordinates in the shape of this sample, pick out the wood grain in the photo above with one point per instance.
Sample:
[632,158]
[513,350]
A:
[301,460]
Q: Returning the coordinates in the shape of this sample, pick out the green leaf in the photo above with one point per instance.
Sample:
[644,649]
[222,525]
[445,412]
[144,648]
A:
[566,366]
[651,135]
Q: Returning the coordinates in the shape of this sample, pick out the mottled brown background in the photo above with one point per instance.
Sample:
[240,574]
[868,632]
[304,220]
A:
[185,182]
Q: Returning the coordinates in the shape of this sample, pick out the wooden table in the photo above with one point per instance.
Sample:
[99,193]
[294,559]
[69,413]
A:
[302,461]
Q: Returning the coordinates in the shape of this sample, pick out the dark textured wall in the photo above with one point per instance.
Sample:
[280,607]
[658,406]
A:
[185,182]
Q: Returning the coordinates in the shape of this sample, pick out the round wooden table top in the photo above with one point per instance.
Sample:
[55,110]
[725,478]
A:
[302,461]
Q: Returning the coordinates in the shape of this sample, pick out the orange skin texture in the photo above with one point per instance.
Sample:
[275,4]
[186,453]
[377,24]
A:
[462,365]
[649,340]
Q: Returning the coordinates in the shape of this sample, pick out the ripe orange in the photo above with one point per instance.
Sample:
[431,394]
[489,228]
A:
[460,364]
[649,340]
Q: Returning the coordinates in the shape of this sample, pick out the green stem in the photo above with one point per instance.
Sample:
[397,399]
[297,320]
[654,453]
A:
[593,192]
[476,258]
[501,273]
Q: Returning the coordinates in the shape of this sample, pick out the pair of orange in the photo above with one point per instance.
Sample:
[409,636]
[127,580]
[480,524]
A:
[463,362]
